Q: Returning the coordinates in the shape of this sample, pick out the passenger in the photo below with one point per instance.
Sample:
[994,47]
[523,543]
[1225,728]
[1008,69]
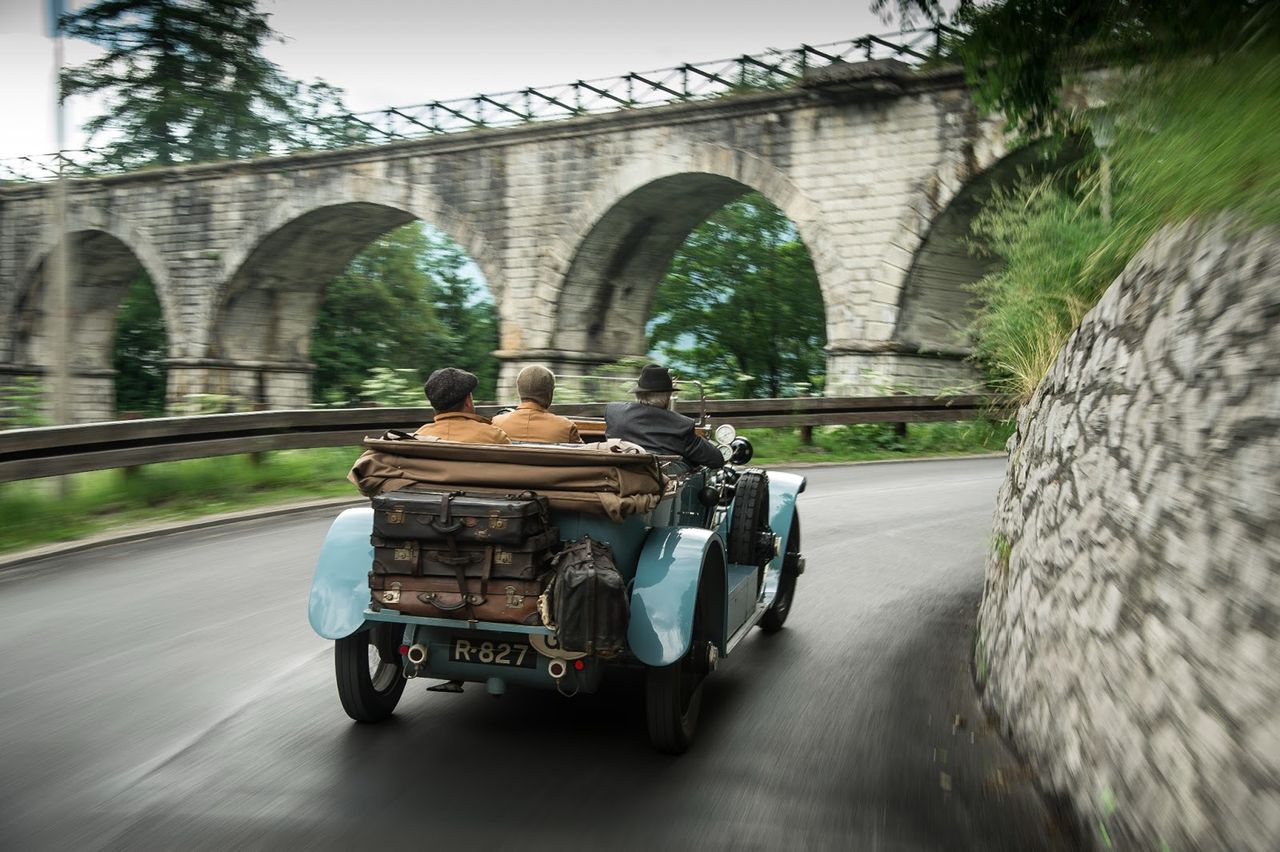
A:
[449,392]
[531,421]
[650,422]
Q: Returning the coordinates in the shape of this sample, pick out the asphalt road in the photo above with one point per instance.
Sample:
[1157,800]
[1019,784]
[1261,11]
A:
[169,694]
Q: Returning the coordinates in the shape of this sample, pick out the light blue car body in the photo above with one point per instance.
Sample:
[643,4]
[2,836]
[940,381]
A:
[664,559]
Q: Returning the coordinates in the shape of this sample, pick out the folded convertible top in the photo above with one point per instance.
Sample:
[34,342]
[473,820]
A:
[610,478]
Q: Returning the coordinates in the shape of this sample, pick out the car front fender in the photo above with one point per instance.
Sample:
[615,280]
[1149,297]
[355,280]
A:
[784,488]
[666,591]
[340,588]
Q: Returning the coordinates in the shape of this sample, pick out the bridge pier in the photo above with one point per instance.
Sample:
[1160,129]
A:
[883,368]
[245,384]
[567,365]
[92,395]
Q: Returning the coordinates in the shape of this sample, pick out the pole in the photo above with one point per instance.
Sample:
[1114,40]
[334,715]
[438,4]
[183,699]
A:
[59,317]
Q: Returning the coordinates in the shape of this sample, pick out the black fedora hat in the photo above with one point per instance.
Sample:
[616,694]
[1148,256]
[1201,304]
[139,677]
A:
[654,379]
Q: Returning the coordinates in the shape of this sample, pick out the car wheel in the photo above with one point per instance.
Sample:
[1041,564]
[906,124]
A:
[673,694]
[776,615]
[369,673]
[750,539]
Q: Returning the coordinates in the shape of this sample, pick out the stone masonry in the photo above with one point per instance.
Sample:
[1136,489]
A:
[572,223]
[1129,635]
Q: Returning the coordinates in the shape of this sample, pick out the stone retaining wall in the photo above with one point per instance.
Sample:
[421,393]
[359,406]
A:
[1128,637]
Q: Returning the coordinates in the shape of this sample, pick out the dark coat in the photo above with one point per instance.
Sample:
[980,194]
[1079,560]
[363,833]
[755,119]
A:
[659,430]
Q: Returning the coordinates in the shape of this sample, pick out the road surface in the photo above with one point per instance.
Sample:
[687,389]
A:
[169,694]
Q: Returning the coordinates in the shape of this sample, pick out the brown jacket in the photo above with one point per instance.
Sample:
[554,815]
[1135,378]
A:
[532,422]
[464,428]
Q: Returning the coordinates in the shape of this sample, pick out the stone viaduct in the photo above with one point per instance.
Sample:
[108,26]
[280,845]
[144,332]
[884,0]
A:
[573,223]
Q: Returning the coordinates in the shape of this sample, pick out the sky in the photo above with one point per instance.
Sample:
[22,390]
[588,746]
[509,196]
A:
[385,53]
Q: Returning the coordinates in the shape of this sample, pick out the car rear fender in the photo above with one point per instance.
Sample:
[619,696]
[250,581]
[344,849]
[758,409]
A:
[340,588]
[666,591]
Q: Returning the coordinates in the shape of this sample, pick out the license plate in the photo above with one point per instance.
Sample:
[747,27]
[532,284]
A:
[493,653]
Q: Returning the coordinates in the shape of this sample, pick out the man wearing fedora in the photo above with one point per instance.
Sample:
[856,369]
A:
[531,421]
[650,422]
[449,392]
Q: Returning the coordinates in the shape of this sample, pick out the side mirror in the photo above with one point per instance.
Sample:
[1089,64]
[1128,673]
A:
[741,451]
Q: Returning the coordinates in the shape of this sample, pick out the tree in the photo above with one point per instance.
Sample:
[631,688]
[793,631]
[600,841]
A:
[404,302]
[1016,52]
[140,347]
[741,303]
[187,82]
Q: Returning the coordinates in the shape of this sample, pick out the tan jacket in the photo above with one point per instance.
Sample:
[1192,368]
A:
[464,428]
[532,422]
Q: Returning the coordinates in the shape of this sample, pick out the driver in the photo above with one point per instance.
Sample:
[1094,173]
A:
[650,422]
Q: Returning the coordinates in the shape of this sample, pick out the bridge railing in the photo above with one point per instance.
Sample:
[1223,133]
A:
[59,450]
[771,70]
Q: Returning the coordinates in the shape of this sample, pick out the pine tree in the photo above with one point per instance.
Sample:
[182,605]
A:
[187,82]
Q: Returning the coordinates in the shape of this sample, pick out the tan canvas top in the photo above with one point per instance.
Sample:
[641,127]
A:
[607,478]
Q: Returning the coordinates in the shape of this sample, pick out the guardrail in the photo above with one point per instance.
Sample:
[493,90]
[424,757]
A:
[59,450]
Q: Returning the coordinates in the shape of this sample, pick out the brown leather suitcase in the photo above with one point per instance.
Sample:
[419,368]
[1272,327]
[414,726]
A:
[508,600]
[444,516]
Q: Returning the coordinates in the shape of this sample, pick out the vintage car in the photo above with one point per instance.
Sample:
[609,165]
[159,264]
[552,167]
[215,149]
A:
[703,556]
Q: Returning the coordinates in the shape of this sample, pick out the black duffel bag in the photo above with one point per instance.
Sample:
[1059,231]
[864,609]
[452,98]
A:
[460,517]
[589,599]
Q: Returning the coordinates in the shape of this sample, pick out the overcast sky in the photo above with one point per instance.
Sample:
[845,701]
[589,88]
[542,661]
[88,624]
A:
[385,53]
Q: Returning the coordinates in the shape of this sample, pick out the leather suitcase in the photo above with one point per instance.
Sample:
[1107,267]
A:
[526,561]
[443,516]
[507,600]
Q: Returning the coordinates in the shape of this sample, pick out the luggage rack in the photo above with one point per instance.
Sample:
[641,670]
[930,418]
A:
[394,617]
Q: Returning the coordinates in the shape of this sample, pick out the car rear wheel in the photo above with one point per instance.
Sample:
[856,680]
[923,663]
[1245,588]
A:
[369,673]
[776,615]
[673,694]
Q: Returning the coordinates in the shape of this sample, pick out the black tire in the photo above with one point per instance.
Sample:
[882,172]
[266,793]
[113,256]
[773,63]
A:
[750,522]
[369,673]
[776,615]
[673,694]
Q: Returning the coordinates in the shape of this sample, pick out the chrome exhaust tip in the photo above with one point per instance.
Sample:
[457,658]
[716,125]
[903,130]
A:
[417,654]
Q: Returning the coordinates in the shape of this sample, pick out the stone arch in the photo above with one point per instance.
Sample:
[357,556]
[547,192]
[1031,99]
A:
[107,252]
[274,278]
[935,305]
[603,269]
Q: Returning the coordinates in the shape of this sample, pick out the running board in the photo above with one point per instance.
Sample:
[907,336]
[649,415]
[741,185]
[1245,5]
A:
[742,631]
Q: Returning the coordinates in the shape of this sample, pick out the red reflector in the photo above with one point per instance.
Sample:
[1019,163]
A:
[579,665]
[404,649]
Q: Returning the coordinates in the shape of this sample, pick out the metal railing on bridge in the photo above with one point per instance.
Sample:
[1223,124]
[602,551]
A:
[768,71]
[59,450]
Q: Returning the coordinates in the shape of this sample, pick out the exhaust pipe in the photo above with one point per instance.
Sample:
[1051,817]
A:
[557,669]
[417,654]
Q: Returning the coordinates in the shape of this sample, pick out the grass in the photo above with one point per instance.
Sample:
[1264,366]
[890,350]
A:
[34,513]
[1190,139]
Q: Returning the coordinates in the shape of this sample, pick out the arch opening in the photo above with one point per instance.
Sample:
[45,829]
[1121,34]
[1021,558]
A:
[350,303]
[937,301]
[704,273]
[104,271]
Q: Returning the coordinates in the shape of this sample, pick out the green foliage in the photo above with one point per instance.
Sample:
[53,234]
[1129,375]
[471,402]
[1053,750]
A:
[741,305]
[187,82]
[1191,139]
[867,441]
[141,344]
[109,499]
[22,403]
[397,388]
[406,302]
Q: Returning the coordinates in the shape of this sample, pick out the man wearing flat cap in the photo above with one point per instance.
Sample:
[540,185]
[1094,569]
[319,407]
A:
[449,392]
[531,421]
[650,422]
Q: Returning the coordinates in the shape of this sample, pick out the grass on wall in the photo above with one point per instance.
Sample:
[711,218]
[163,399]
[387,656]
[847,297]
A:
[1191,139]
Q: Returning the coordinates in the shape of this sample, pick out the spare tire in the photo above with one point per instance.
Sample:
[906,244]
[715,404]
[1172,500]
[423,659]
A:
[750,539]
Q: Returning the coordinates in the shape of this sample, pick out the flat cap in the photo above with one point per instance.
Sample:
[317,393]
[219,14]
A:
[448,387]
[536,383]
